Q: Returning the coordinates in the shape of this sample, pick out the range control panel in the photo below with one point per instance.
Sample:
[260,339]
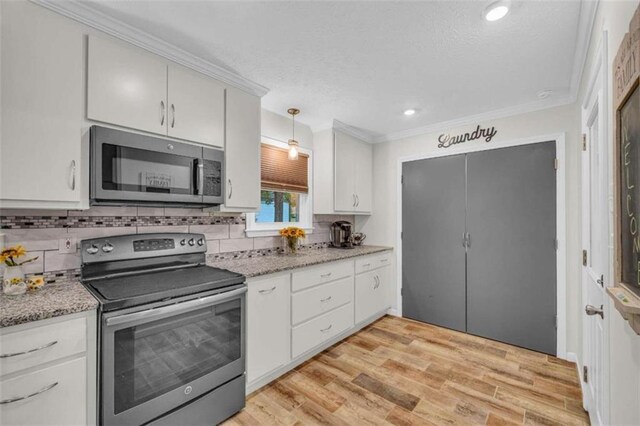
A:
[154,244]
[136,246]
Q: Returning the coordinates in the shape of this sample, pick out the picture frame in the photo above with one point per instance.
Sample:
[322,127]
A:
[626,106]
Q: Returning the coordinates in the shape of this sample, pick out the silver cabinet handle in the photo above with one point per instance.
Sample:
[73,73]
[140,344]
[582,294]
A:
[326,299]
[72,169]
[357,200]
[173,115]
[354,200]
[366,265]
[468,240]
[324,330]
[267,290]
[230,188]
[20,398]
[384,260]
[328,274]
[601,280]
[377,284]
[592,310]
[162,110]
[39,348]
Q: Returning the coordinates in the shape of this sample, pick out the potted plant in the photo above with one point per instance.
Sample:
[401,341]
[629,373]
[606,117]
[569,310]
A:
[291,237]
[13,281]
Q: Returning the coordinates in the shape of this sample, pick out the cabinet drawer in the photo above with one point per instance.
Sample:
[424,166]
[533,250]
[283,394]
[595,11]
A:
[312,302]
[369,263]
[317,331]
[371,293]
[321,274]
[63,404]
[34,346]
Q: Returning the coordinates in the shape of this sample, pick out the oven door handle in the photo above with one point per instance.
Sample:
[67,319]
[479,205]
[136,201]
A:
[164,311]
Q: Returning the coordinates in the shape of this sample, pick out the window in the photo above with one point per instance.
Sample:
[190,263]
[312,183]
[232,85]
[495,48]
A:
[285,195]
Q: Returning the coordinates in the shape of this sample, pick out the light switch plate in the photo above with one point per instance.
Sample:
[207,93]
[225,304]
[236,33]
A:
[67,245]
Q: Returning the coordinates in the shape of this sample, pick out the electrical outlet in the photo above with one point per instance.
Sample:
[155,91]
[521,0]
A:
[67,245]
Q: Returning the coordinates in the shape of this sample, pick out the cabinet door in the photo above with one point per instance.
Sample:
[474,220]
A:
[242,150]
[126,86]
[196,107]
[61,397]
[41,109]
[364,177]
[268,325]
[371,293]
[346,153]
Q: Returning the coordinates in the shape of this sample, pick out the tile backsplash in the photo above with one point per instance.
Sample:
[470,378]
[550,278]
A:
[40,231]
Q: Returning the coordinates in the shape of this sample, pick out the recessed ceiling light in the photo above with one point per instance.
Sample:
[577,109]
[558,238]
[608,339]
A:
[409,111]
[496,10]
[544,94]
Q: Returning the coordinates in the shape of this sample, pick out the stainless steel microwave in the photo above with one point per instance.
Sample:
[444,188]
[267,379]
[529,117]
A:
[133,169]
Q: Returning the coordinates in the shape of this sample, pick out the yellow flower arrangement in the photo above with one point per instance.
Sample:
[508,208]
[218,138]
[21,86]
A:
[292,234]
[9,255]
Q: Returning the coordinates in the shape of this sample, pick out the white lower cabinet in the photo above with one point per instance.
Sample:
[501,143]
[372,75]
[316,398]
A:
[59,396]
[268,336]
[372,292]
[292,317]
[48,373]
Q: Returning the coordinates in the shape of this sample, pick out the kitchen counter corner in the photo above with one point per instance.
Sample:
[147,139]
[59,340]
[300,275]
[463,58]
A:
[50,301]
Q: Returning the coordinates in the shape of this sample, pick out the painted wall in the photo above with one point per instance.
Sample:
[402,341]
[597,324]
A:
[624,345]
[381,227]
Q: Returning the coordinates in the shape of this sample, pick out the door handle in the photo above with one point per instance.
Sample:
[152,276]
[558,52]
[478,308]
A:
[173,115]
[468,240]
[592,310]
[230,188]
[162,113]
[72,168]
[601,280]
[354,200]
[267,291]
[357,200]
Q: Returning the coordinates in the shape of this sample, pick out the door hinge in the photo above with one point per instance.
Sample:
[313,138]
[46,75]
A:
[585,374]
[555,163]
[584,258]
[584,141]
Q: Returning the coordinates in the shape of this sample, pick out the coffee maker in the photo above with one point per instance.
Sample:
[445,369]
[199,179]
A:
[340,235]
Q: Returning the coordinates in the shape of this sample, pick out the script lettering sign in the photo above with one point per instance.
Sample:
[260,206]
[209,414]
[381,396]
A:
[446,140]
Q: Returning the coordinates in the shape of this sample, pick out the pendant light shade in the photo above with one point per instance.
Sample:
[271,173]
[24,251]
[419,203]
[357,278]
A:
[293,143]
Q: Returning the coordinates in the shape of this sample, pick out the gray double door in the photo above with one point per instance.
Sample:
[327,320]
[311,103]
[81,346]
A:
[479,244]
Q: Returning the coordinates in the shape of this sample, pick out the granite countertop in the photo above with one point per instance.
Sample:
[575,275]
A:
[52,300]
[256,266]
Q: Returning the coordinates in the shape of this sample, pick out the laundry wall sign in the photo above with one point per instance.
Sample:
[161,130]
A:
[445,140]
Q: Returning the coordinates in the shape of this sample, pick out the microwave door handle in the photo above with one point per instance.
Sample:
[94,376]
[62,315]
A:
[198,175]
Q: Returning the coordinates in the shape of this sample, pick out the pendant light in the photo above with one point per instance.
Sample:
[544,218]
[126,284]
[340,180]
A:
[293,143]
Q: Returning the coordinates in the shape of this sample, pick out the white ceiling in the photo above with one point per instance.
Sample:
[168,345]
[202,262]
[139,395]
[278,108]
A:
[364,62]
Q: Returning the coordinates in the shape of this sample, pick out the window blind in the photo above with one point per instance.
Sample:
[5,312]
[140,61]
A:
[278,173]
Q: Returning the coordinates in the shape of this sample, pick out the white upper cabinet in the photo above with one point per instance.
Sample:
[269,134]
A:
[195,107]
[242,151]
[364,177]
[349,188]
[346,154]
[126,86]
[42,108]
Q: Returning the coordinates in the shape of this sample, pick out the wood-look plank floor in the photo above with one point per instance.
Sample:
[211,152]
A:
[402,372]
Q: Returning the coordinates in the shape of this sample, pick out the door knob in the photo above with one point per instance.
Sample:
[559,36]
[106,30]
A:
[592,310]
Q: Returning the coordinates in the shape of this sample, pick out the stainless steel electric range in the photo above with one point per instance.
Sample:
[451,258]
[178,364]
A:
[171,330]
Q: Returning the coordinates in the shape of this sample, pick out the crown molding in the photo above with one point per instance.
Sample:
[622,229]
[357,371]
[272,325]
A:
[356,132]
[85,14]
[588,9]
[473,119]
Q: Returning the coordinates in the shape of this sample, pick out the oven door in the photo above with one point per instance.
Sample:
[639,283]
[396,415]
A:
[131,168]
[156,360]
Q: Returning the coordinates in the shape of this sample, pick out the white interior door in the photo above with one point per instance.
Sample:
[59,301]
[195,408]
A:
[595,271]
